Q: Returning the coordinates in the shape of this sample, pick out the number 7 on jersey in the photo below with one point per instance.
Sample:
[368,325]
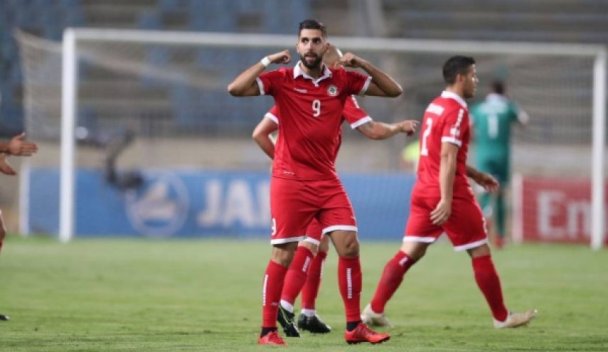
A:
[427,132]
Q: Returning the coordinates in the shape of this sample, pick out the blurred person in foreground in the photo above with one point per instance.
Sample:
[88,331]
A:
[492,120]
[311,97]
[304,273]
[443,201]
[16,146]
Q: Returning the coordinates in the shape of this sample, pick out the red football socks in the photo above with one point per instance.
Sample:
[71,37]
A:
[350,282]
[489,283]
[392,276]
[271,292]
[310,291]
[296,275]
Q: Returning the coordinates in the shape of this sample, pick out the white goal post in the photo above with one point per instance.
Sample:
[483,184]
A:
[73,37]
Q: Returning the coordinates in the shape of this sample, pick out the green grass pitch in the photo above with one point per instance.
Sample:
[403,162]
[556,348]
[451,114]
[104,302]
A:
[204,295]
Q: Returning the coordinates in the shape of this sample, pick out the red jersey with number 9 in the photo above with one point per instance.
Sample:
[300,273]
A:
[446,120]
[311,114]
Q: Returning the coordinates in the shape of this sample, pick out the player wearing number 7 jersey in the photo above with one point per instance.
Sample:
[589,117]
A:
[310,98]
[443,202]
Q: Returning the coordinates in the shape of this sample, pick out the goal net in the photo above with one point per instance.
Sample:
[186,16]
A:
[148,105]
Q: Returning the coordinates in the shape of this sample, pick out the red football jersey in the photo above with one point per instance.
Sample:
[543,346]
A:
[446,119]
[311,113]
[352,113]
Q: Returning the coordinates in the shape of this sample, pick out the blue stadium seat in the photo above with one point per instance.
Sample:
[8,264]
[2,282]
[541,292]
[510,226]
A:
[181,100]
[169,4]
[149,19]
[212,15]
[247,5]
[71,13]
[158,56]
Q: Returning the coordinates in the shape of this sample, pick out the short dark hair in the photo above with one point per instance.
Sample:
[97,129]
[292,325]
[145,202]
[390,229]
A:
[312,24]
[456,65]
[498,87]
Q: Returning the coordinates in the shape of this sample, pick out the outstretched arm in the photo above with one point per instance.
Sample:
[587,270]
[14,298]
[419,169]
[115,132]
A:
[261,135]
[487,181]
[380,130]
[382,84]
[244,84]
[18,146]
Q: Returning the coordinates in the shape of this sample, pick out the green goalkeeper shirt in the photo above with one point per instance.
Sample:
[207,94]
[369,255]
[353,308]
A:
[492,120]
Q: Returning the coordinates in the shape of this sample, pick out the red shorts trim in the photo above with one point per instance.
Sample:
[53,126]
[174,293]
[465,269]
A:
[466,227]
[314,232]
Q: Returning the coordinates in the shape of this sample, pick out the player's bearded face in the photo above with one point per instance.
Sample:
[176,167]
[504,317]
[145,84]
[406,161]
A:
[311,60]
[311,47]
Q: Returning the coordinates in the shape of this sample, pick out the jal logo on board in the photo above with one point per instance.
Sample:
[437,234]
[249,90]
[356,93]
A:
[160,207]
[233,203]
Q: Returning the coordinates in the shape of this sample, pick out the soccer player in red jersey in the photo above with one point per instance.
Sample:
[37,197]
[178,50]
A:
[315,247]
[17,146]
[305,185]
[442,200]
[304,274]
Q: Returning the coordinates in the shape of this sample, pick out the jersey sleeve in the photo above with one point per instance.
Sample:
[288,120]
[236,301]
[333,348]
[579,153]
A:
[354,114]
[357,83]
[455,126]
[268,82]
[519,115]
[273,114]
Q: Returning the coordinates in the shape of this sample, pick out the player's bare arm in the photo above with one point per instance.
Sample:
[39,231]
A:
[5,167]
[382,84]
[487,181]
[244,85]
[261,135]
[18,146]
[447,172]
[380,130]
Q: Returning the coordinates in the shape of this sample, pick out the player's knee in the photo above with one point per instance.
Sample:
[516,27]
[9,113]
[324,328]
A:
[414,250]
[283,254]
[481,251]
[324,246]
[346,243]
[350,248]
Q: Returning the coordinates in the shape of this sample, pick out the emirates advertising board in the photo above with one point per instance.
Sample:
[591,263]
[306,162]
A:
[549,209]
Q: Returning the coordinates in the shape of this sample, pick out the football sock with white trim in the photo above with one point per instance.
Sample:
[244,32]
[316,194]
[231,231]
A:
[296,275]
[391,278]
[310,291]
[489,283]
[271,292]
[350,282]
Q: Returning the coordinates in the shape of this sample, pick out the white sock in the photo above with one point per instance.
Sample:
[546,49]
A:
[287,306]
[309,312]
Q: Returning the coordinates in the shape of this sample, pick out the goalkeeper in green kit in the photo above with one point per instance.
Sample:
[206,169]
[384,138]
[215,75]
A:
[492,119]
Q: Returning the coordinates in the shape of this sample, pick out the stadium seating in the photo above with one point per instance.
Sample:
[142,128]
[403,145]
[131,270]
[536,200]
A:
[542,20]
[49,19]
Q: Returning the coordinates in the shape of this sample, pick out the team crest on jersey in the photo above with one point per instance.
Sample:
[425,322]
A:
[332,90]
